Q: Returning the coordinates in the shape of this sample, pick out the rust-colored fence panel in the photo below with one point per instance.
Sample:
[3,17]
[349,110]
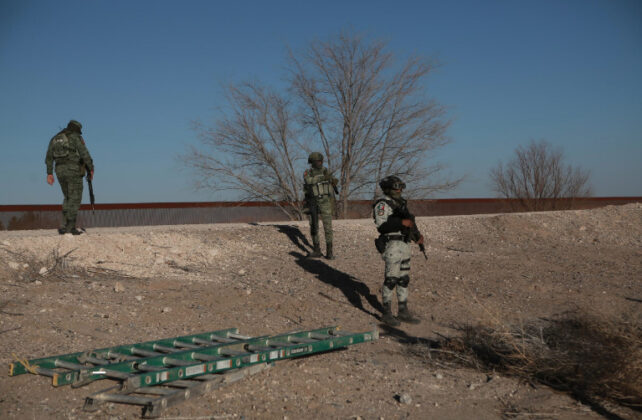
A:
[19,217]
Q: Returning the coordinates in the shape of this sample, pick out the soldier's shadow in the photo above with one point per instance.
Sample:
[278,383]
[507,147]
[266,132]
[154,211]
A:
[295,235]
[353,289]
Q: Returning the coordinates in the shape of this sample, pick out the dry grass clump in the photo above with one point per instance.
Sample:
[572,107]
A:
[589,358]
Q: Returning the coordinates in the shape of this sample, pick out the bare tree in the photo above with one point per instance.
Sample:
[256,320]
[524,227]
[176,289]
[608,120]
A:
[251,150]
[539,179]
[370,118]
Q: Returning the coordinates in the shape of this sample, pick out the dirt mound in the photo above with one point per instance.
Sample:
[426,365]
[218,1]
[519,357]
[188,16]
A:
[118,285]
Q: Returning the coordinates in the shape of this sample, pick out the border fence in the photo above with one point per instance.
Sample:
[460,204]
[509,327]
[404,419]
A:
[24,217]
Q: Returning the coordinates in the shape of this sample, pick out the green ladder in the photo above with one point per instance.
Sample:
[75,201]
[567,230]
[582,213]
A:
[193,363]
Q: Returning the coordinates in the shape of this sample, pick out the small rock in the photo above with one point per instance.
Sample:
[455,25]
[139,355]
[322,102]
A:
[248,292]
[242,272]
[43,271]
[37,282]
[14,265]
[166,309]
[439,376]
[25,265]
[404,398]
[138,298]
[119,287]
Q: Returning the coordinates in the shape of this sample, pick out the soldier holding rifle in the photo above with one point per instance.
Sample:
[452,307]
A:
[397,229]
[68,151]
[319,187]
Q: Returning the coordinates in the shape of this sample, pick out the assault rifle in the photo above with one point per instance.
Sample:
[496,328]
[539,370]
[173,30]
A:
[314,214]
[92,199]
[413,233]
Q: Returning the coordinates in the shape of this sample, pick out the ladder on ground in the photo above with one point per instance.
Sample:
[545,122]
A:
[192,363]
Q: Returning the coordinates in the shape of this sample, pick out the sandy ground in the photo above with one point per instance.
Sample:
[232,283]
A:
[114,286]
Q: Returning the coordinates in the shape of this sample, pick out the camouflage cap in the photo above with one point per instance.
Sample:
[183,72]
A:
[74,123]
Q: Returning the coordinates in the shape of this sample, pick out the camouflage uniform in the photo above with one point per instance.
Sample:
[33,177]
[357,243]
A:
[68,151]
[319,183]
[396,255]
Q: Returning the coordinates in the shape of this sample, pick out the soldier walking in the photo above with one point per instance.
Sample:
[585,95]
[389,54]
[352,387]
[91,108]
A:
[397,228]
[68,151]
[319,187]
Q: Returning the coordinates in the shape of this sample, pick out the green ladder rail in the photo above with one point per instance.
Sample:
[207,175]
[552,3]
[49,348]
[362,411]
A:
[48,366]
[154,400]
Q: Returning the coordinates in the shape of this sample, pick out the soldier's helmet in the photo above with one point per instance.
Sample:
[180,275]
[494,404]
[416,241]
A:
[74,125]
[315,156]
[392,182]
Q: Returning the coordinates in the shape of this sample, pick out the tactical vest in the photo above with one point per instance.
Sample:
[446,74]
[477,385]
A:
[319,185]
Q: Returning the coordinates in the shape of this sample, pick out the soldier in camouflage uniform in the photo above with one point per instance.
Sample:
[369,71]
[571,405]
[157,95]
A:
[68,151]
[394,243]
[319,184]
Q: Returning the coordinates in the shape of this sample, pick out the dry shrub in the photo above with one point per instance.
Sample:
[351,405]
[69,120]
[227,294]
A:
[589,358]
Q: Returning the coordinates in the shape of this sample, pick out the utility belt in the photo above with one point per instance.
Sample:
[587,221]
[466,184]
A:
[382,240]
[397,237]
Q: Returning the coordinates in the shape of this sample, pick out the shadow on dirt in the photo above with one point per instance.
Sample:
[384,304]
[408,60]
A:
[403,338]
[295,235]
[352,288]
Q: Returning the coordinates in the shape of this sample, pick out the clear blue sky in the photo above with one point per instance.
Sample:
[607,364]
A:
[136,73]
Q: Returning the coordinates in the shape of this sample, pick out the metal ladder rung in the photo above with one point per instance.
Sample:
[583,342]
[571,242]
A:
[219,339]
[166,349]
[302,340]
[155,390]
[88,358]
[204,342]
[123,399]
[206,357]
[145,353]
[121,356]
[69,365]
[185,345]
[238,336]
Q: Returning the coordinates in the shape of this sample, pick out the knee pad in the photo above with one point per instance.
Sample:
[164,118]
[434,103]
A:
[390,282]
[403,281]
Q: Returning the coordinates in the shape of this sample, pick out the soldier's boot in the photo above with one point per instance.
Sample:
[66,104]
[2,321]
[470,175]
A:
[316,251]
[71,227]
[387,316]
[329,254]
[405,315]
